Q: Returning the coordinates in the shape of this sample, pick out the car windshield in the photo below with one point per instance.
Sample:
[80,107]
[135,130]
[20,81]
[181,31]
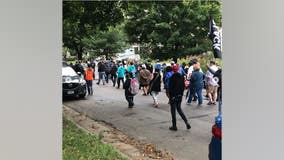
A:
[68,71]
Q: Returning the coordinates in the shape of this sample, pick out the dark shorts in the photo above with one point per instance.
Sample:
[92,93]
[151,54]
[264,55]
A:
[144,85]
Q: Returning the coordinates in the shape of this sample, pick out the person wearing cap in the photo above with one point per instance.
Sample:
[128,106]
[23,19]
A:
[176,89]
[196,85]
[144,79]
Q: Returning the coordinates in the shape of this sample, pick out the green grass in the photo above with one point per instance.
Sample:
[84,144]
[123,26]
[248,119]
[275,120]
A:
[80,145]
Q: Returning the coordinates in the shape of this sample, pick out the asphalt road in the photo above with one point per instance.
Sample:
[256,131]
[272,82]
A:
[151,124]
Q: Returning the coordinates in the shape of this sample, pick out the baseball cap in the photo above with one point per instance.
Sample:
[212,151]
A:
[175,68]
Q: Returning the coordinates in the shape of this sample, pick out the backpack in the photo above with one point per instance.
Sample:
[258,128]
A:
[134,86]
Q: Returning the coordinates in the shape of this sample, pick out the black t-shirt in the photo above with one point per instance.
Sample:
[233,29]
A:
[218,74]
[101,67]
[176,85]
[113,69]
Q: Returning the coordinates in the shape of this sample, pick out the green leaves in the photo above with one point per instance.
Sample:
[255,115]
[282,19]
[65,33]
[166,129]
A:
[180,26]
[83,19]
[106,27]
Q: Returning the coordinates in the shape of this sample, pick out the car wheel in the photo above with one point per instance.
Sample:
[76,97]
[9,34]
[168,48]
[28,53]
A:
[82,95]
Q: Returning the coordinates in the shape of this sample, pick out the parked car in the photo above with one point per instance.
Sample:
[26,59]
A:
[215,146]
[73,84]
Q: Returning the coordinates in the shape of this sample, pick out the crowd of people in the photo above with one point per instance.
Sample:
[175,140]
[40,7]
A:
[175,79]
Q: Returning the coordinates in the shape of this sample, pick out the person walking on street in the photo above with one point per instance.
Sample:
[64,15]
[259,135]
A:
[79,68]
[155,86]
[101,70]
[212,84]
[128,96]
[167,76]
[218,78]
[113,73]
[196,85]
[149,66]
[176,89]
[158,65]
[89,77]
[120,73]
[107,70]
[131,68]
[144,79]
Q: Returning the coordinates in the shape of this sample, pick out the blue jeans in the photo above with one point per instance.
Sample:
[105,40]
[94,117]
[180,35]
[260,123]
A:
[101,77]
[90,86]
[192,92]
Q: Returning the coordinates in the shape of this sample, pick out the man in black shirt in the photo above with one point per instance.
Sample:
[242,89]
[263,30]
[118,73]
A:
[101,70]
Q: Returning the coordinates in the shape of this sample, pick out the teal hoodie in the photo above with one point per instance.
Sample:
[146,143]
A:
[120,72]
[131,68]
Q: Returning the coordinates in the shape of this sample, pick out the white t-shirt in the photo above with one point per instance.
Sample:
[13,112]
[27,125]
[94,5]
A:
[190,70]
[209,76]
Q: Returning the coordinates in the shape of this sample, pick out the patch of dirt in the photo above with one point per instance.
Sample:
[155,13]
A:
[129,146]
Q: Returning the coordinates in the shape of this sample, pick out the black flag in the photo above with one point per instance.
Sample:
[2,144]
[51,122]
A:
[215,36]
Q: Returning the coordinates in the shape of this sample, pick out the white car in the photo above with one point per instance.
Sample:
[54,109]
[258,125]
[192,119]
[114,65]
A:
[73,84]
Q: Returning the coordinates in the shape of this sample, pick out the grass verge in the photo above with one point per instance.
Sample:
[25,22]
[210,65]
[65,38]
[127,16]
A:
[80,145]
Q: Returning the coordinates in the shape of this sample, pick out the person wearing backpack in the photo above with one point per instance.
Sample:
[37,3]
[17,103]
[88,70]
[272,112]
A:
[155,86]
[127,87]
[131,68]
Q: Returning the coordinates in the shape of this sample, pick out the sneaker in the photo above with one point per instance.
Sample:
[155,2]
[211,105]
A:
[209,103]
[214,103]
[130,106]
[173,128]
[188,126]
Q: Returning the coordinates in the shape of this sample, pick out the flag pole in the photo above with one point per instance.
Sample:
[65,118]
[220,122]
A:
[211,30]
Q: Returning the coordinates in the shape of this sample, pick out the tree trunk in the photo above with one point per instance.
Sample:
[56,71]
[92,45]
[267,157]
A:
[107,55]
[79,51]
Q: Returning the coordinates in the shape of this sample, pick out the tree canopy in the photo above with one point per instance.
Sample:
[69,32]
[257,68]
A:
[171,29]
[84,19]
[165,29]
